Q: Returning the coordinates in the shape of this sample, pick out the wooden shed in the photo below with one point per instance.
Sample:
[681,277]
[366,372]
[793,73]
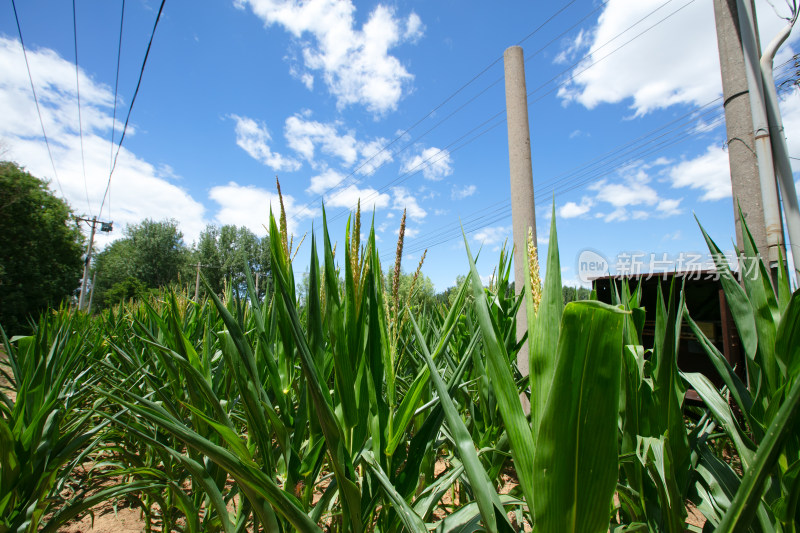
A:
[707,306]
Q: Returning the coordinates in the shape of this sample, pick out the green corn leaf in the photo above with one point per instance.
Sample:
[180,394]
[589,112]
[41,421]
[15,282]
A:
[738,389]
[411,399]
[69,512]
[483,490]
[544,329]
[575,461]
[340,458]
[746,502]
[467,519]
[740,307]
[787,343]
[426,502]
[256,484]
[723,414]
[504,387]
[668,390]
[411,520]
[758,286]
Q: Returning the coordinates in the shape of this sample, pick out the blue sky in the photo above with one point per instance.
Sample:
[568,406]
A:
[400,104]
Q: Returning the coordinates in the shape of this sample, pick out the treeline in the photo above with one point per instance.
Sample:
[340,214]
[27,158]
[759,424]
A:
[153,254]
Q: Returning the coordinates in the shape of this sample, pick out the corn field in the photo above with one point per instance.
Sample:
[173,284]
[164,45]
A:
[357,413]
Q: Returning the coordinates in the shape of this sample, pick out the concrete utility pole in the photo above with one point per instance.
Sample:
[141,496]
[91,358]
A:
[104,226]
[523,212]
[91,294]
[197,282]
[745,183]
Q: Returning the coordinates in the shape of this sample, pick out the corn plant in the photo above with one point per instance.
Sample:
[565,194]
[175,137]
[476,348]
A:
[765,436]
[48,425]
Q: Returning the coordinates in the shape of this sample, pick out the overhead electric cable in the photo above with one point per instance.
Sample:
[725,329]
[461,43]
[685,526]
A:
[116,87]
[133,100]
[591,52]
[555,187]
[78,92]
[577,63]
[432,111]
[35,98]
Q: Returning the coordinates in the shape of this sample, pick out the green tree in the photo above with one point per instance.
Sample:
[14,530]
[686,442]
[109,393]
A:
[151,252]
[223,253]
[160,253]
[40,248]
[572,294]
[424,291]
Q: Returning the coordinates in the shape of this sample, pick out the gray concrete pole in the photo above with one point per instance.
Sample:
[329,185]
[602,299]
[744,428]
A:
[745,182]
[519,157]
[197,283]
[91,294]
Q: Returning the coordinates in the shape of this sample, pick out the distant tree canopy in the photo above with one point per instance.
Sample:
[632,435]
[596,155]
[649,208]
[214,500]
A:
[424,292]
[40,248]
[223,253]
[151,255]
[572,294]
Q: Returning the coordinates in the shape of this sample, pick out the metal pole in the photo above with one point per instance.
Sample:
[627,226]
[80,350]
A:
[766,170]
[745,184]
[86,264]
[197,283]
[91,294]
[519,158]
[780,151]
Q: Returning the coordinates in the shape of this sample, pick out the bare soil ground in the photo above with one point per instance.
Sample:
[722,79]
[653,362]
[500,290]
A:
[106,520]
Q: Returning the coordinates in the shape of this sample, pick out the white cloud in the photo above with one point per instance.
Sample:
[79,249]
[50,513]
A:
[492,235]
[349,196]
[304,136]
[404,200]
[573,48]
[572,209]
[355,63]
[374,155]
[138,190]
[414,28]
[325,181]
[669,207]
[632,197]
[253,137]
[631,192]
[434,163]
[709,172]
[249,206]
[459,193]
[653,70]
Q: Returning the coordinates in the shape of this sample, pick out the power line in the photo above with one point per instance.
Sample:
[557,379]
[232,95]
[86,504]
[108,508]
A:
[562,83]
[35,98]
[114,118]
[78,90]
[133,100]
[498,211]
[405,132]
[591,52]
